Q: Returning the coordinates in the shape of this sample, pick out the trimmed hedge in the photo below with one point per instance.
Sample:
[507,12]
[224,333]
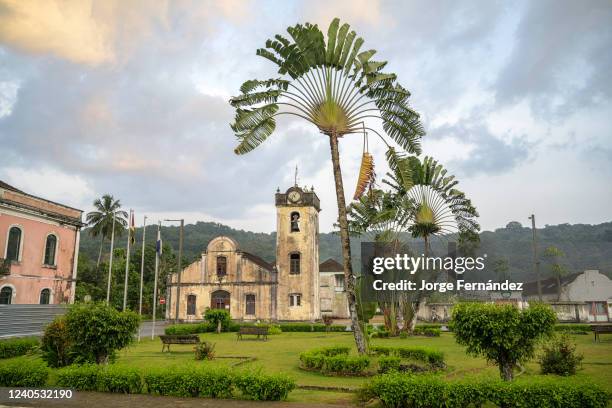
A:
[400,390]
[432,357]
[23,373]
[204,327]
[17,347]
[573,328]
[389,363]
[184,381]
[427,331]
[334,360]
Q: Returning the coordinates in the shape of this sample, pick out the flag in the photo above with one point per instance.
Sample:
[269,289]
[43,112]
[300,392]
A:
[158,244]
[132,228]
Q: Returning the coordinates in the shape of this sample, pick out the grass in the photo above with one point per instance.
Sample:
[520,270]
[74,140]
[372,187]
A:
[281,354]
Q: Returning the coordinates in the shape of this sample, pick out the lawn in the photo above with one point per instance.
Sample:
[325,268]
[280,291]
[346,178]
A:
[280,354]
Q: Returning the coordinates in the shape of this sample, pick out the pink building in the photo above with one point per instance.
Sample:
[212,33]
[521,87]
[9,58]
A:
[39,249]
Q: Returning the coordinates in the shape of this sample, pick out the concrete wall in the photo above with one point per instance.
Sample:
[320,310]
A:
[333,300]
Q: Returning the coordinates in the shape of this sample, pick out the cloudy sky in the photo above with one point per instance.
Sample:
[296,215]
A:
[130,98]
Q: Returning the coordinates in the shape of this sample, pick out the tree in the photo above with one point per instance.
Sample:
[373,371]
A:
[97,330]
[101,220]
[503,334]
[338,89]
[423,201]
[500,266]
[553,254]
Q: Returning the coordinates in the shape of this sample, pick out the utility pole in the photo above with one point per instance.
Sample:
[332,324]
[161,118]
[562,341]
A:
[178,271]
[144,232]
[158,249]
[127,259]
[110,263]
[536,261]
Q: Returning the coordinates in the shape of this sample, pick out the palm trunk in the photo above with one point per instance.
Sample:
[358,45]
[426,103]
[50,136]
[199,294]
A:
[349,278]
[100,254]
[416,305]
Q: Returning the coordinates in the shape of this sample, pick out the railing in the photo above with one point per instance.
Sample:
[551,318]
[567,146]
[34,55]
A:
[5,266]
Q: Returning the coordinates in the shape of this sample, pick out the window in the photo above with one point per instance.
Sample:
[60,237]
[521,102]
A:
[339,282]
[191,305]
[294,263]
[220,299]
[221,266]
[295,221]
[50,247]
[14,244]
[250,304]
[295,299]
[45,296]
[6,295]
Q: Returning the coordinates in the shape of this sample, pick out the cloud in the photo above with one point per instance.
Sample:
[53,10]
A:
[98,32]
[560,61]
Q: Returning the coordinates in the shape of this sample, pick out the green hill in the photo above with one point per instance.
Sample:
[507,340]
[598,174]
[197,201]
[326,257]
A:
[585,246]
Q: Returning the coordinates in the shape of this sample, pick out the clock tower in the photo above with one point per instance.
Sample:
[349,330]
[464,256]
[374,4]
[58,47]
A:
[297,254]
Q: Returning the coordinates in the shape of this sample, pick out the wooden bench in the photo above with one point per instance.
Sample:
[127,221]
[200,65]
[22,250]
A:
[601,328]
[260,332]
[167,340]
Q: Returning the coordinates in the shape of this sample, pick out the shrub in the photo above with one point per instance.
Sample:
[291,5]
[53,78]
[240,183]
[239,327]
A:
[56,344]
[571,328]
[205,350]
[80,377]
[22,372]
[389,363]
[434,358]
[427,331]
[191,328]
[218,318]
[400,390]
[297,327]
[119,379]
[190,382]
[334,360]
[403,335]
[260,387]
[503,334]
[559,357]
[97,330]
[274,329]
[17,347]
[345,365]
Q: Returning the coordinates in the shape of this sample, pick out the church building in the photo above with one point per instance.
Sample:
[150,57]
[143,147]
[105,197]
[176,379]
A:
[292,288]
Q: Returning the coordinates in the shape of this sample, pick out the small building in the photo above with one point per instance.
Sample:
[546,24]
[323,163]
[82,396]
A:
[585,296]
[39,247]
[332,293]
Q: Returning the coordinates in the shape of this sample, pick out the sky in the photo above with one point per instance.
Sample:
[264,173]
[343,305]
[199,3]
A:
[131,99]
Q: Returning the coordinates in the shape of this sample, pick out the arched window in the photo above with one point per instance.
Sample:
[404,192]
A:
[294,263]
[221,266]
[220,299]
[13,245]
[191,305]
[45,296]
[50,249]
[295,221]
[250,304]
[6,295]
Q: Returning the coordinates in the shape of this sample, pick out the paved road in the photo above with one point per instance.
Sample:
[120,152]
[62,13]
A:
[103,400]
[146,326]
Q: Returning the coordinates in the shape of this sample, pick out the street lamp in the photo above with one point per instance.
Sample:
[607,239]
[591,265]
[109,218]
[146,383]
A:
[536,261]
[180,256]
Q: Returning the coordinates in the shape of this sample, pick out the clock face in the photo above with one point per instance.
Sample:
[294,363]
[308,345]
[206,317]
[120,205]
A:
[294,196]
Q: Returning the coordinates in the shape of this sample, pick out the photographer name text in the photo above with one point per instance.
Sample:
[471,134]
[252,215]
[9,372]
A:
[461,285]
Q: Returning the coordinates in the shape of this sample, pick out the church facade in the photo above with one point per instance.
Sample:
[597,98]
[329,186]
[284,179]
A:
[292,288]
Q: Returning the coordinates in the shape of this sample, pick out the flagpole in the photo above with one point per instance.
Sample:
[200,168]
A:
[157,251]
[110,263]
[127,259]
[144,232]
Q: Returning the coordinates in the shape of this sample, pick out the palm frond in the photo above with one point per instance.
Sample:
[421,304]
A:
[366,175]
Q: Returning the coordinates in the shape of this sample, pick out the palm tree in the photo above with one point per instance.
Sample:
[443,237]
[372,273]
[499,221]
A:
[422,201]
[101,220]
[338,89]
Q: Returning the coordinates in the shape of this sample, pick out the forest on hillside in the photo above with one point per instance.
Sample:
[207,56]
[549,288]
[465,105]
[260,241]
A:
[585,247]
